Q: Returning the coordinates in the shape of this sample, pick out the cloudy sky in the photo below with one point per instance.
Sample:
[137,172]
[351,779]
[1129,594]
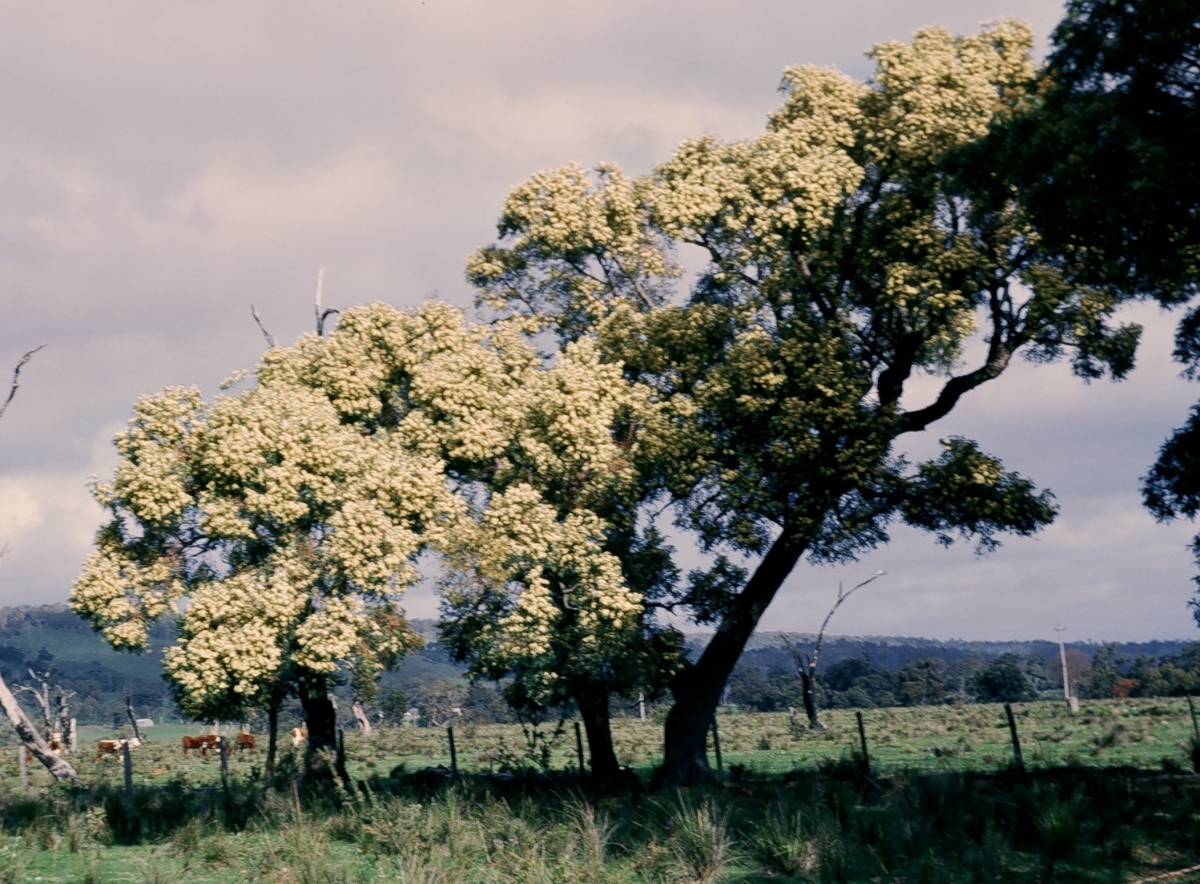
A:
[166,165]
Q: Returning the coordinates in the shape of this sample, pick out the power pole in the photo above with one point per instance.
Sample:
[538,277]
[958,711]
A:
[1072,702]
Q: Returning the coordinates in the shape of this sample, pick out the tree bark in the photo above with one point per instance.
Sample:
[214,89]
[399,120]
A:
[321,720]
[58,767]
[360,715]
[593,709]
[810,700]
[697,689]
[272,735]
[133,718]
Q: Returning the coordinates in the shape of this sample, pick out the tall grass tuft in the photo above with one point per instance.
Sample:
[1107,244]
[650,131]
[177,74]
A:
[783,844]
[699,844]
[593,831]
[1057,823]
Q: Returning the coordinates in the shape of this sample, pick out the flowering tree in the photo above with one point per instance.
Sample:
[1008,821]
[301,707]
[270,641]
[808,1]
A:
[846,252]
[554,590]
[280,538]
[288,518]
[547,580]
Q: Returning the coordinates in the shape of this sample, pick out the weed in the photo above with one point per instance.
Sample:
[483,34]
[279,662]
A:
[593,832]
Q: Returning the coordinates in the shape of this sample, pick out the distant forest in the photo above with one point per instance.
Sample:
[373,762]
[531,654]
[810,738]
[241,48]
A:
[854,672]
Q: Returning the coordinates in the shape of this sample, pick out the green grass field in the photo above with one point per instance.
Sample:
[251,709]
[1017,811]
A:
[1108,797]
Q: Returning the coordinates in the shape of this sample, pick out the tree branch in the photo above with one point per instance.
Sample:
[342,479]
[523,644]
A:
[16,378]
[1000,351]
[262,328]
[322,315]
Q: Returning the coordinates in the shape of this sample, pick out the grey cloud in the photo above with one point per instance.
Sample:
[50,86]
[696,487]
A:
[166,165]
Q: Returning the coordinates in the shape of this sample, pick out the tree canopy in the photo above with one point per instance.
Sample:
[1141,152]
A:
[282,525]
[847,251]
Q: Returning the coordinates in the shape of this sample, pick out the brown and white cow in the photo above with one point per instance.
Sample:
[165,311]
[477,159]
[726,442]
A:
[299,735]
[113,748]
[246,741]
[203,743]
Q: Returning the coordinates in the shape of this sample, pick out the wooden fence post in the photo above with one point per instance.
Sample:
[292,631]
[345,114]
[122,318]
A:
[453,752]
[717,745]
[1016,741]
[862,738]
[23,766]
[72,738]
[579,749]
[223,748]
[128,756]
[1195,725]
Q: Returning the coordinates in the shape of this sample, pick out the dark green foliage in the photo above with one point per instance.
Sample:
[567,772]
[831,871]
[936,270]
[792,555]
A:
[921,683]
[776,691]
[968,493]
[857,684]
[1171,489]
[1105,155]
[393,704]
[1001,681]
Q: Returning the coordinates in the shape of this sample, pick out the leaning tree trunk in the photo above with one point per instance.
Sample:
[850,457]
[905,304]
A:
[360,715]
[593,709]
[58,767]
[697,690]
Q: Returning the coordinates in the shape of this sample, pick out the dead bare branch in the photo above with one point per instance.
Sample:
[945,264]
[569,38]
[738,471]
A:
[806,667]
[322,315]
[16,378]
[262,328]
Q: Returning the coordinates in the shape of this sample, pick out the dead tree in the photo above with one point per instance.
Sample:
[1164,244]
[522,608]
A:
[360,715]
[54,703]
[38,747]
[806,667]
[322,315]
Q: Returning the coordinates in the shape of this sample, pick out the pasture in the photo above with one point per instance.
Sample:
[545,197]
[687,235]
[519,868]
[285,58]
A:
[1108,796]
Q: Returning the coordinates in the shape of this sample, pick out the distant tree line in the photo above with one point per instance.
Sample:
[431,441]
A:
[859,683]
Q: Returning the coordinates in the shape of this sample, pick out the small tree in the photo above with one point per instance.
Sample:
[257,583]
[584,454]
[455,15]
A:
[1001,681]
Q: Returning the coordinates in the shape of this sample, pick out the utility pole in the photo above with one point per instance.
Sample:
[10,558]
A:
[1072,702]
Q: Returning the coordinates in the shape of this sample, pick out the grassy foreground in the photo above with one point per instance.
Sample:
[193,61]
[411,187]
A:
[1106,799]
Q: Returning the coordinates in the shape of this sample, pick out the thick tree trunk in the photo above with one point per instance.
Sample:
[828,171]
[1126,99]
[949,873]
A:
[321,720]
[593,709]
[697,690]
[59,768]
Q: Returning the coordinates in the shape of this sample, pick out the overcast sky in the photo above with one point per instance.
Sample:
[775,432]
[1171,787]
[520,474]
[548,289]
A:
[165,165]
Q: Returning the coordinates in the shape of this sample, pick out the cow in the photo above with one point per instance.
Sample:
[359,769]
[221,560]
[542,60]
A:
[246,741]
[203,743]
[299,735]
[113,748]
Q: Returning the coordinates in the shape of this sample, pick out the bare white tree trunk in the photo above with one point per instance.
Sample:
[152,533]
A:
[59,769]
[360,716]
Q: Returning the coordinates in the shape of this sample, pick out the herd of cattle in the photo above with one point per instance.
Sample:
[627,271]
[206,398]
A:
[201,744]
